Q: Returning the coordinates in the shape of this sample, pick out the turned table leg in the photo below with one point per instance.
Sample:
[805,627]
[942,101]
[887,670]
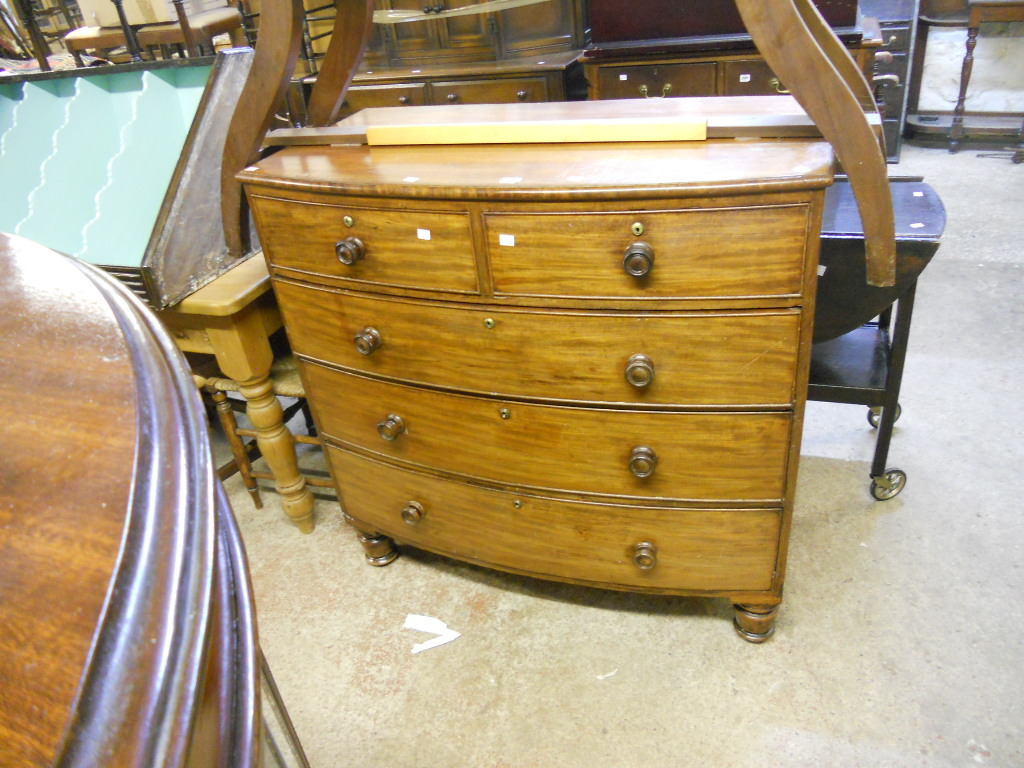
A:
[277,445]
[755,623]
[956,131]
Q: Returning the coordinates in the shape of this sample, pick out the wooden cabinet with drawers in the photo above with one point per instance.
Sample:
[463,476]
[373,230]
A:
[578,362]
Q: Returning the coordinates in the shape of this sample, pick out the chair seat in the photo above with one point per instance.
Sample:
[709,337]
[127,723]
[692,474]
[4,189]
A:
[94,37]
[204,26]
[284,377]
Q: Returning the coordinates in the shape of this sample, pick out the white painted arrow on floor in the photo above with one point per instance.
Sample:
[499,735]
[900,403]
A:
[432,626]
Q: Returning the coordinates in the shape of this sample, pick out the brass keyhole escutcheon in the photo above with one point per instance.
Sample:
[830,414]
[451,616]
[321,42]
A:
[639,259]
[637,229]
[350,250]
[640,371]
[349,221]
[505,413]
[643,461]
[368,341]
[391,427]
[645,556]
[413,513]
[489,323]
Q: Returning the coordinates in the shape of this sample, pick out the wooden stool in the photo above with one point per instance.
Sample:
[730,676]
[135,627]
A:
[93,39]
[981,12]
[195,33]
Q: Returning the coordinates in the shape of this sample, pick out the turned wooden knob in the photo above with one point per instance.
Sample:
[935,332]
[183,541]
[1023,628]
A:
[521,95]
[391,427]
[413,512]
[403,100]
[645,556]
[639,259]
[452,98]
[640,371]
[368,341]
[350,250]
[643,461]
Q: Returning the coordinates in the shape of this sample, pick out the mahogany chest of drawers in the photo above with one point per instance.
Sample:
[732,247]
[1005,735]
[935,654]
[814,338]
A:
[578,362]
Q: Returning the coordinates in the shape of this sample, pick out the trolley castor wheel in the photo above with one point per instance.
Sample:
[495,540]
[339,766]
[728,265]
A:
[885,487]
[875,415]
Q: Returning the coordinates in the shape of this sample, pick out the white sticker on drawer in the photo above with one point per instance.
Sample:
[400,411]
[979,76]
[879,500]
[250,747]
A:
[744,78]
[821,270]
[623,77]
[508,240]
[423,234]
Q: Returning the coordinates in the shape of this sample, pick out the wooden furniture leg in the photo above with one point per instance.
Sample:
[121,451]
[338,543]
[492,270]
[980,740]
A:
[380,549]
[956,131]
[230,426]
[243,353]
[755,623]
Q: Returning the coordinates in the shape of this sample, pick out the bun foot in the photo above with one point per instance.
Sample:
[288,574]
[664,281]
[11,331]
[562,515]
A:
[755,623]
[380,550]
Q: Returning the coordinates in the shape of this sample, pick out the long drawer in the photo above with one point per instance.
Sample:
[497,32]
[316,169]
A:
[690,549]
[712,252]
[400,248]
[695,358]
[707,457]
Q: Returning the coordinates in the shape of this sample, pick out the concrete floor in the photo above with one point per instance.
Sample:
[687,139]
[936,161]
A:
[899,642]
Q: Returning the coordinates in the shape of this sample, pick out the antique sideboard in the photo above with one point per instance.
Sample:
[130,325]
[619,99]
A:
[583,362]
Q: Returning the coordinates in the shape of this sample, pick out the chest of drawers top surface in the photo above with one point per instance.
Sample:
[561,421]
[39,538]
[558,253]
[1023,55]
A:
[549,171]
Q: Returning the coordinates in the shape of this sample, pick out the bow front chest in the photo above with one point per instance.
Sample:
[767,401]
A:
[582,362]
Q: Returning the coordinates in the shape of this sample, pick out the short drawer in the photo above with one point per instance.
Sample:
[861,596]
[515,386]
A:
[896,38]
[402,248]
[750,77]
[710,550]
[697,253]
[657,80]
[366,96]
[696,358]
[498,91]
[707,457]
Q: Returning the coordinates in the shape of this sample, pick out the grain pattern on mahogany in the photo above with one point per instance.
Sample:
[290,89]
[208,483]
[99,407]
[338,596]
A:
[550,172]
[700,358]
[418,248]
[67,375]
[705,550]
[544,254]
[716,456]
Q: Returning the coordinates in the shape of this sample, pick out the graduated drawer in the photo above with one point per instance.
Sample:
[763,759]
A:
[651,80]
[403,95]
[698,358]
[694,550]
[709,252]
[499,91]
[403,248]
[717,456]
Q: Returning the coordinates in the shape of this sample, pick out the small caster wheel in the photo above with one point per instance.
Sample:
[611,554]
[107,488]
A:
[886,486]
[875,415]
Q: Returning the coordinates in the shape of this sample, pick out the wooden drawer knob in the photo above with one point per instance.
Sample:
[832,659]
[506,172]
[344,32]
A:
[403,100]
[639,259]
[522,95]
[350,250]
[452,98]
[413,513]
[643,461]
[391,427]
[640,371]
[368,341]
[645,556]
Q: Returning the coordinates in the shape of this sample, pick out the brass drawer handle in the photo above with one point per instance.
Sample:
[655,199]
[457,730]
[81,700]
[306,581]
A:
[643,461]
[639,259]
[777,85]
[350,250]
[666,89]
[413,513]
[640,371]
[368,341]
[391,427]
[645,556]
